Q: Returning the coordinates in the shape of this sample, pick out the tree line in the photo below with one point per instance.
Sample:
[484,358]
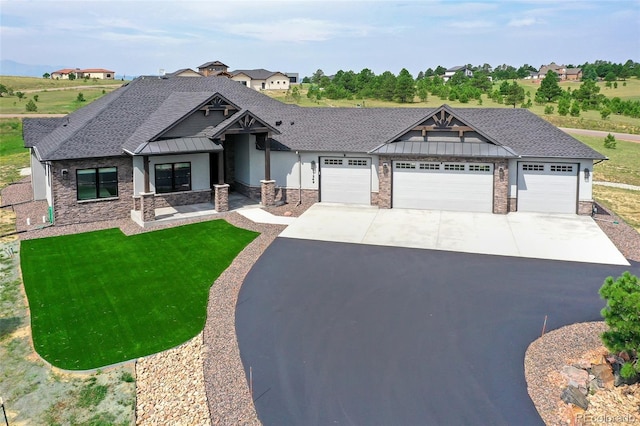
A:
[404,88]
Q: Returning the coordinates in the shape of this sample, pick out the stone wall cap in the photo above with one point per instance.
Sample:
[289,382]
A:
[267,181]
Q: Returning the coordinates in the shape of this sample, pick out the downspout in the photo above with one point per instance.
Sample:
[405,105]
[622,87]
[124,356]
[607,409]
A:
[53,199]
[299,178]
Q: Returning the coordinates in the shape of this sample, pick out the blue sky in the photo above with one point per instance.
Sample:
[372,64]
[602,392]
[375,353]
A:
[137,37]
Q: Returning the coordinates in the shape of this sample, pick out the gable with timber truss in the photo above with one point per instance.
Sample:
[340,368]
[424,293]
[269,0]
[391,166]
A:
[207,116]
[245,122]
[443,133]
[219,103]
[443,125]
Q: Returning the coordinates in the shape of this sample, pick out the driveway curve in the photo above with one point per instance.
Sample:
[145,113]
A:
[352,334]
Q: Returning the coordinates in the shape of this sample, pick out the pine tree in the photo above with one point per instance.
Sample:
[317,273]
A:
[549,88]
[405,88]
[621,315]
[610,141]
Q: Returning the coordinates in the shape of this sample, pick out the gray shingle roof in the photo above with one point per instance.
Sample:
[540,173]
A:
[257,74]
[132,115]
[213,63]
[34,129]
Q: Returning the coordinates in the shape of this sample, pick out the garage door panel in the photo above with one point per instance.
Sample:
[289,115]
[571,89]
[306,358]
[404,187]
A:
[345,180]
[547,187]
[419,185]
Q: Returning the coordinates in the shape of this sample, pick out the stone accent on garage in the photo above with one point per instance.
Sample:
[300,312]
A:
[513,204]
[501,201]
[585,208]
[68,210]
[501,187]
[295,196]
[384,183]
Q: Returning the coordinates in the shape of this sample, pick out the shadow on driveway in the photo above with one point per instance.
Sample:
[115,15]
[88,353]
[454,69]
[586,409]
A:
[367,335]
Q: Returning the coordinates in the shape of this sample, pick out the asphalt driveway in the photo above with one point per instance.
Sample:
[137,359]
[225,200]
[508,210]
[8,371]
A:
[355,334]
[537,235]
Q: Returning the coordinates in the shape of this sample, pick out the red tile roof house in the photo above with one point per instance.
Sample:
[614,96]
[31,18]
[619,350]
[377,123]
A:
[99,73]
[171,141]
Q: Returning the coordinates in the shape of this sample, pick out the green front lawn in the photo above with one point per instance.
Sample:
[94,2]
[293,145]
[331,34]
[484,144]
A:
[101,297]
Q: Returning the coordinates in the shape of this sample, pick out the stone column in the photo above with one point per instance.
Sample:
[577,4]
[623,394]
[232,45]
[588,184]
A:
[384,183]
[148,206]
[268,192]
[501,187]
[221,197]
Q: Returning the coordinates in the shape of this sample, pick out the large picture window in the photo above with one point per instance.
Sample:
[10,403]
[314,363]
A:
[173,177]
[97,183]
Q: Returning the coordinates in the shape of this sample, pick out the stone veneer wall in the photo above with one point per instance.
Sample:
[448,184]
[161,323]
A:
[513,204]
[283,195]
[500,186]
[585,207]
[67,208]
[183,198]
[253,192]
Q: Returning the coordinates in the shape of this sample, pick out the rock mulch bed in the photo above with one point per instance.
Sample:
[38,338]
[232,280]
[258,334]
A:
[625,237]
[547,365]
[170,387]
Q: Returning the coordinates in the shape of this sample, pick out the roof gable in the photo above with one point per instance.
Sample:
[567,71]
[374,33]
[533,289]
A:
[440,133]
[244,122]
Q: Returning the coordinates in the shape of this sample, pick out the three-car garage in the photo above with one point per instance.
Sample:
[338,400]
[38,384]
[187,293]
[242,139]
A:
[545,187]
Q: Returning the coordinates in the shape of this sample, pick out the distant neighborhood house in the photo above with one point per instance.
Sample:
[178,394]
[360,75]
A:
[99,73]
[185,72]
[214,69]
[261,79]
[564,73]
[257,79]
[451,72]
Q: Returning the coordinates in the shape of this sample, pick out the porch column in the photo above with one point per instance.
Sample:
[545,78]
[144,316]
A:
[221,197]
[268,192]
[145,162]
[267,154]
[148,206]
[221,168]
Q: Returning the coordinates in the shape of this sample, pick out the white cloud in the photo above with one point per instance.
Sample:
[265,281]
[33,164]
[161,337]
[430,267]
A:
[471,25]
[522,22]
[298,30]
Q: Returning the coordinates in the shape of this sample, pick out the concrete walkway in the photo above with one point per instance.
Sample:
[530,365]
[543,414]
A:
[618,185]
[533,235]
[599,133]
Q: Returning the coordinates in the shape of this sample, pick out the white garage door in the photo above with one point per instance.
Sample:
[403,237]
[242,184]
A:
[547,187]
[345,180]
[443,186]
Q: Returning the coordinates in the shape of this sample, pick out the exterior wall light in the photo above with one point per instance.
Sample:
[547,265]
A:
[587,173]
[65,174]
[501,173]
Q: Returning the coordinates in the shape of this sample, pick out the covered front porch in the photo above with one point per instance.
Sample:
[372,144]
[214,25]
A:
[236,201]
[207,172]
